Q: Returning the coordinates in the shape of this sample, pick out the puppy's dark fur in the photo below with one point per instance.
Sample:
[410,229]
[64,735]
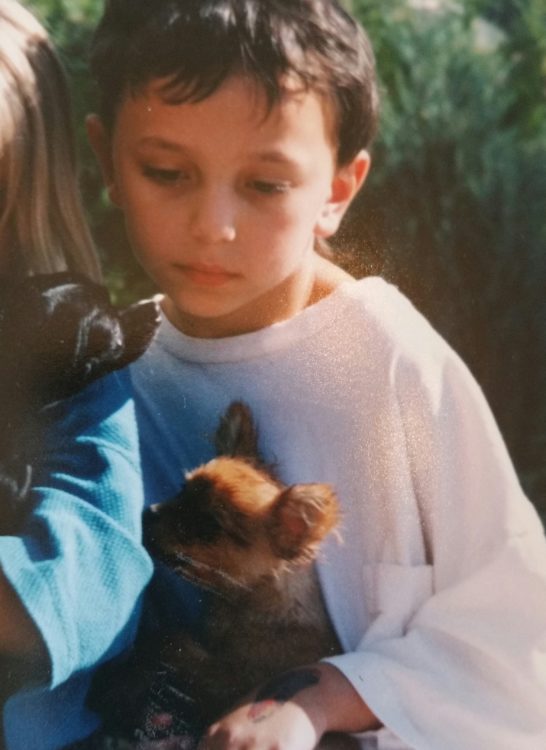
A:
[236,530]
[58,333]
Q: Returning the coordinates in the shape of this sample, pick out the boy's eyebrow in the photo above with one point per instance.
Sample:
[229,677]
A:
[273,156]
[162,143]
[277,157]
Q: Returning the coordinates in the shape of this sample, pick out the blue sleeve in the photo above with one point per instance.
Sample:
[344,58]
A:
[79,568]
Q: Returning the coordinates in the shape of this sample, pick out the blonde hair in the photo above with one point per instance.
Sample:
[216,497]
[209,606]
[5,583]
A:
[41,216]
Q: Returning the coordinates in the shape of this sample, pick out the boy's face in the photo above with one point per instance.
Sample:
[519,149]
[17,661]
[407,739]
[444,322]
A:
[223,202]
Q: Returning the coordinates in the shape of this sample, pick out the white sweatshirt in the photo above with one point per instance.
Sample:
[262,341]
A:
[438,591]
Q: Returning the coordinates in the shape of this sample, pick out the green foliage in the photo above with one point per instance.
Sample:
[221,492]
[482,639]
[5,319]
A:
[71,24]
[453,209]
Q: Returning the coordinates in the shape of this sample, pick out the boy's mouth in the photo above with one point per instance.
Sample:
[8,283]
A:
[203,275]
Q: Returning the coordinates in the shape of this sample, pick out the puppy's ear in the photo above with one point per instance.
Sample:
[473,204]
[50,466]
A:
[300,519]
[237,434]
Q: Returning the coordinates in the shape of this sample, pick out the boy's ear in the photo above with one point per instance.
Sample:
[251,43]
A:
[346,183]
[100,141]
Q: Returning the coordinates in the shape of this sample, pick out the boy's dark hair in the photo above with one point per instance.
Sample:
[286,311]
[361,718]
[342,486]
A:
[196,44]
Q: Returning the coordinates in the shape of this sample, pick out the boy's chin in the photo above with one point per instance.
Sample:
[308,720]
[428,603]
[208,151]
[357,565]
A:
[203,321]
[217,315]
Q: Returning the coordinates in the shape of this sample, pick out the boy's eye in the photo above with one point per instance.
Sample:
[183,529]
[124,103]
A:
[270,187]
[164,176]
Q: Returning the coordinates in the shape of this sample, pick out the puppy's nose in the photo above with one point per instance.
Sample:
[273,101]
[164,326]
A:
[144,315]
[150,517]
[117,341]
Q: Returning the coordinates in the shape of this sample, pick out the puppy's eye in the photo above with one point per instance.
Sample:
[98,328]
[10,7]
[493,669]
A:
[196,521]
[201,526]
[197,524]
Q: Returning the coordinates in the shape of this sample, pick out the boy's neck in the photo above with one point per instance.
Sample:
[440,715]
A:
[282,303]
[328,276]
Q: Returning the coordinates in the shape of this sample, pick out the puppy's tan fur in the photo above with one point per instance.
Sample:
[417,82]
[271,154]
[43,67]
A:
[238,531]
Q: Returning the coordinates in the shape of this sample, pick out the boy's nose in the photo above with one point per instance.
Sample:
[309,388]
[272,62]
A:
[213,218]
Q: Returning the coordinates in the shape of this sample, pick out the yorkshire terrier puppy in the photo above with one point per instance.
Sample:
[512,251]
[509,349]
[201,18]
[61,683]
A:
[237,531]
[58,333]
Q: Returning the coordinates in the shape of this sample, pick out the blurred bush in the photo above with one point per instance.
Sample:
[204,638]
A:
[71,24]
[453,211]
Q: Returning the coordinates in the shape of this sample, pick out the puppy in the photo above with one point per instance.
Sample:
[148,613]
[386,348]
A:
[237,531]
[58,333]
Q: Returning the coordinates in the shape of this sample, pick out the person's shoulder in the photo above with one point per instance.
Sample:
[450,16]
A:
[391,327]
[101,413]
[387,312]
[103,395]
[419,358]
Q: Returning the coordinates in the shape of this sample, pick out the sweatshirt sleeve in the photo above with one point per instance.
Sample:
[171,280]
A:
[455,653]
[78,567]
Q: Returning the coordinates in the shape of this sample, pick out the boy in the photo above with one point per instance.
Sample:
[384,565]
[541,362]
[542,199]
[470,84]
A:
[233,134]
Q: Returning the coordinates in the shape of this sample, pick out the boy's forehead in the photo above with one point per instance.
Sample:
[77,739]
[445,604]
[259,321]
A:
[243,100]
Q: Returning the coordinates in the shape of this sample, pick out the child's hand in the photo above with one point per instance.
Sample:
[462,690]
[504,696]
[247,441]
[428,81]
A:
[268,721]
[292,712]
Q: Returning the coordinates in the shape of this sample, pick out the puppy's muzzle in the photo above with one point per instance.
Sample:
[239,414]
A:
[139,323]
